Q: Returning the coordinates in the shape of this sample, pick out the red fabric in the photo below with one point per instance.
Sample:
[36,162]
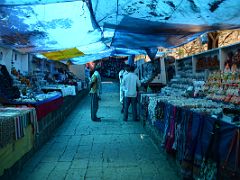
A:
[45,108]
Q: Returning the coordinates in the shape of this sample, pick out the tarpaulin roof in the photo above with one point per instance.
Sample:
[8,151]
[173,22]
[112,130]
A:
[47,27]
[98,26]
[30,2]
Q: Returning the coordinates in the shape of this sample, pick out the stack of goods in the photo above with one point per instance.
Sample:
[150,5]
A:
[178,85]
[66,90]
[224,86]
[71,79]
[19,77]
[38,79]
[34,99]
[13,122]
[22,82]
[210,63]
[184,83]
[43,103]
[202,106]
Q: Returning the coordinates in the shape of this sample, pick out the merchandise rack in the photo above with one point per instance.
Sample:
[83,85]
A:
[221,53]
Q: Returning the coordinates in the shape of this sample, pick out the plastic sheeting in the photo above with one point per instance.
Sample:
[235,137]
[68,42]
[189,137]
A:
[153,23]
[37,28]
[30,2]
[117,26]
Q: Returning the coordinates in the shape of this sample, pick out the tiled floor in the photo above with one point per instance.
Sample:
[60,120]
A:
[111,149]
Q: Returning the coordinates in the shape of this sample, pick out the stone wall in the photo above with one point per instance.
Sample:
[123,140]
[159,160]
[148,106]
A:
[226,37]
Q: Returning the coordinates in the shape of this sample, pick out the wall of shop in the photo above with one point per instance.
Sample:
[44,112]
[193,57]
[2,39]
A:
[78,70]
[6,57]
[30,65]
[11,59]
[20,62]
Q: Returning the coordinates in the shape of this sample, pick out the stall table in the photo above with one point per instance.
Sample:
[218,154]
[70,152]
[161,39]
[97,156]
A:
[44,106]
[66,90]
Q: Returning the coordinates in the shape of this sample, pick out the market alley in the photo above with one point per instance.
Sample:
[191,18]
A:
[111,149]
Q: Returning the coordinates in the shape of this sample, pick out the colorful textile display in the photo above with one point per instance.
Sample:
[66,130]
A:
[13,122]
[195,133]
[14,151]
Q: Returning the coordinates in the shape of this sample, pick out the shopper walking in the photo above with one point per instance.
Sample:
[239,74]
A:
[94,91]
[130,84]
[121,75]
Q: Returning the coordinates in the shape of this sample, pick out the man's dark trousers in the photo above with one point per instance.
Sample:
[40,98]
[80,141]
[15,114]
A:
[133,102]
[94,105]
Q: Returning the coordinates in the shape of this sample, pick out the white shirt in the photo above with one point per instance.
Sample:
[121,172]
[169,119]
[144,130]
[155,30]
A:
[121,75]
[130,84]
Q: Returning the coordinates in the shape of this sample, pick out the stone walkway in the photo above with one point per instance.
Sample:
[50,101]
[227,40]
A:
[111,149]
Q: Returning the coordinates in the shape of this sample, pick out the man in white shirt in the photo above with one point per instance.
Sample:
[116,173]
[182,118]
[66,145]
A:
[121,75]
[131,83]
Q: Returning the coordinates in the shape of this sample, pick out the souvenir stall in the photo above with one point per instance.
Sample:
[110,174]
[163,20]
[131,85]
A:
[196,117]
[56,76]
[32,105]
[27,93]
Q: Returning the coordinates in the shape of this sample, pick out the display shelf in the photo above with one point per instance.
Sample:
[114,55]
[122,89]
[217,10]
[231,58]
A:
[221,54]
[183,64]
[208,60]
[231,55]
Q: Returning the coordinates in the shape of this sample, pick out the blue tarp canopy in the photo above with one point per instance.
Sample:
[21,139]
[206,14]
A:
[113,26]
[30,2]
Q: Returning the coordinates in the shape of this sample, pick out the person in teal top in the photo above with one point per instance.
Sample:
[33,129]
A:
[94,94]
